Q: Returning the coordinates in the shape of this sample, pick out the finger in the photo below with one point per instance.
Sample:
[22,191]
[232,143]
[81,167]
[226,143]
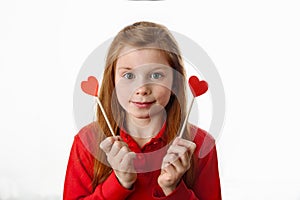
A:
[169,159]
[106,144]
[191,146]
[127,162]
[169,173]
[185,160]
[183,154]
[176,149]
[117,145]
[181,163]
[180,169]
[120,155]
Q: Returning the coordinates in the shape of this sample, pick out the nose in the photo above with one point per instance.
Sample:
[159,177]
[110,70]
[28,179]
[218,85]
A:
[143,90]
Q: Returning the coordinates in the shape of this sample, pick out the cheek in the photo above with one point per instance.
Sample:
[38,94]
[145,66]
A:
[122,94]
[163,96]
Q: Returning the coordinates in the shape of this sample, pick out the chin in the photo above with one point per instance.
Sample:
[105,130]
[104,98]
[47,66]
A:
[142,116]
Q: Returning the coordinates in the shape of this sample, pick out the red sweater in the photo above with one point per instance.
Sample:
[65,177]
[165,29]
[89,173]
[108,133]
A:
[79,174]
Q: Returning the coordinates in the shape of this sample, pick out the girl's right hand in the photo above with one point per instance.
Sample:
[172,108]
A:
[120,159]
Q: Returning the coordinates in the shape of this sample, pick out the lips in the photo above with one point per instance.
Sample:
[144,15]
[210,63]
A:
[144,104]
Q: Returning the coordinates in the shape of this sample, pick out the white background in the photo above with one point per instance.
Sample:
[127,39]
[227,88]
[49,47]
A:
[254,44]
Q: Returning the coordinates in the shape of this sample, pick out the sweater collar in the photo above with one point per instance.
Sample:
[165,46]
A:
[160,138]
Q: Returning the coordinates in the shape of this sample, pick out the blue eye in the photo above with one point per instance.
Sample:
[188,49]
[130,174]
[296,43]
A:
[129,75]
[156,75]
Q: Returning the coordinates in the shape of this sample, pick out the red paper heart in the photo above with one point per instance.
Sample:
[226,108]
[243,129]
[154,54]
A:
[90,86]
[197,87]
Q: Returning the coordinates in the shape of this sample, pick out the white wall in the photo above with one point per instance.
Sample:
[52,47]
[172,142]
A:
[255,46]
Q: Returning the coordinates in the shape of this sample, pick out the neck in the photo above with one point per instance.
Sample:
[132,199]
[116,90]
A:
[142,130]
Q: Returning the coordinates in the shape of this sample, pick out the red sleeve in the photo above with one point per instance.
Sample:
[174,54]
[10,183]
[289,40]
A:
[207,185]
[207,182]
[181,192]
[79,176]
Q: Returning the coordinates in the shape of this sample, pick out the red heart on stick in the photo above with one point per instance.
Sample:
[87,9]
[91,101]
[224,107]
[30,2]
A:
[197,87]
[90,86]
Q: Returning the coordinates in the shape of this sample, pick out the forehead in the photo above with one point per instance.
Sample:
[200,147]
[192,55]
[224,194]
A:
[137,57]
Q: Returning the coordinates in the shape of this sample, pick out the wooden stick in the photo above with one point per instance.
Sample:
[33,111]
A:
[186,118]
[105,116]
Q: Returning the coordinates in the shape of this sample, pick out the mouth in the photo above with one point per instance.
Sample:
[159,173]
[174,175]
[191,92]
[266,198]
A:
[145,104]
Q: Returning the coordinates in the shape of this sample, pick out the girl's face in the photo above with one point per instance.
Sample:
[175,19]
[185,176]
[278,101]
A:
[143,82]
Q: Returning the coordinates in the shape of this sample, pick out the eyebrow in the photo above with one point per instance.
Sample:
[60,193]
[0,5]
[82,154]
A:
[162,67]
[123,67]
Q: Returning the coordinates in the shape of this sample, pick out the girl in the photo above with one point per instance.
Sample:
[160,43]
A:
[143,93]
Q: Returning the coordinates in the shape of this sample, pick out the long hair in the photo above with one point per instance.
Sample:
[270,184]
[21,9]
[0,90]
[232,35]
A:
[141,35]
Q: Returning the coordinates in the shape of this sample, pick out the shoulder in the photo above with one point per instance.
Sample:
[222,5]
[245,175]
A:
[88,137]
[89,133]
[204,141]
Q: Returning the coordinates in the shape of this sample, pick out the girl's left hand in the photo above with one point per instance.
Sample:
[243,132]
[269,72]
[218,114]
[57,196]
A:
[175,163]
